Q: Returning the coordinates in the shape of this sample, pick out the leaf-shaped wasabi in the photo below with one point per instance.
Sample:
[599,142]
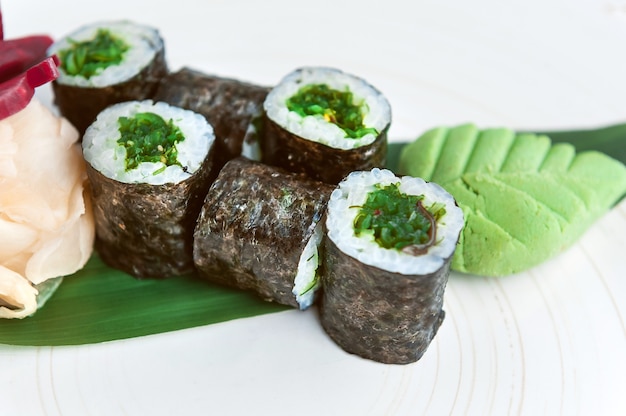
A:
[524,198]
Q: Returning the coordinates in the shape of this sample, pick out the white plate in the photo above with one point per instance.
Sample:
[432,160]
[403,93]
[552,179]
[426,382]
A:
[549,341]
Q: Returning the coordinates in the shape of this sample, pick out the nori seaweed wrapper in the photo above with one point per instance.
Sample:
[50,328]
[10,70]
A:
[254,225]
[234,108]
[147,230]
[316,160]
[81,105]
[383,297]
[376,314]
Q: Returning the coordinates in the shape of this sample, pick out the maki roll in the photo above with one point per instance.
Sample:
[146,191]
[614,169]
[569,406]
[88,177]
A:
[149,165]
[259,230]
[387,251]
[234,108]
[325,123]
[103,64]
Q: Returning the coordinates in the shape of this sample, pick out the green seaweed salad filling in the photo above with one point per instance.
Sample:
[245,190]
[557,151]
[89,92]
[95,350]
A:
[90,57]
[397,220]
[337,107]
[147,137]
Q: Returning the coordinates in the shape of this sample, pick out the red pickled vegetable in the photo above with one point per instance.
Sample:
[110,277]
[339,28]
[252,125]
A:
[17,55]
[23,67]
[16,93]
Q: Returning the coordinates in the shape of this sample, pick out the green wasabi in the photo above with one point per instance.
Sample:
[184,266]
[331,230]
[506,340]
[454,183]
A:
[397,220]
[334,106]
[524,199]
[89,58]
[147,137]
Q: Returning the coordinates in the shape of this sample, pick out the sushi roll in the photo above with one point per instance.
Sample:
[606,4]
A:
[106,63]
[149,165]
[259,230]
[325,123]
[386,260]
[234,108]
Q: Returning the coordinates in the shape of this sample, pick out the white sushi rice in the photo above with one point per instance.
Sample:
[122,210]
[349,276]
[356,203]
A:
[103,153]
[251,146]
[144,43]
[352,192]
[376,108]
[307,271]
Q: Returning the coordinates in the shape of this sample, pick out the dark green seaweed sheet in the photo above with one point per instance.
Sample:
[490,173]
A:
[318,161]
[99,303]
[376,314]
[254,225]
[81,105]
[147,230]
[230,106]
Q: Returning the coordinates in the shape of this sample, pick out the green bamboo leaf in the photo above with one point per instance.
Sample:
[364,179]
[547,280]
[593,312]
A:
[100,304]
[610,140]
